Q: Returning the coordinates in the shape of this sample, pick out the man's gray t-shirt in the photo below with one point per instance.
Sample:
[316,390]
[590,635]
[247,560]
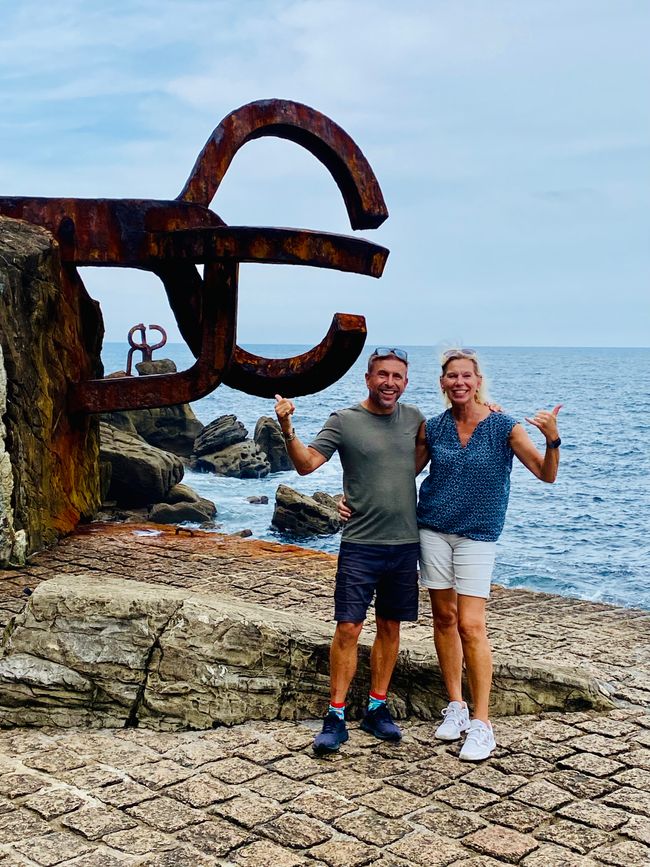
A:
[378,457]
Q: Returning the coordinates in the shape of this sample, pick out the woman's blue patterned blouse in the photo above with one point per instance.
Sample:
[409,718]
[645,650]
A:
[467,489]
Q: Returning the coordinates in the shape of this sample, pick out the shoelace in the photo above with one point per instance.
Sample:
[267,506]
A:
[480,735]
[454,713]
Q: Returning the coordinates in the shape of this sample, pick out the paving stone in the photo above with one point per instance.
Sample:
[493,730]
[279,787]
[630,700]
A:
[55,760]
[166,814]
[626,854]
[201,791]
[595,815]
[428,849]
[542,794]
[296,831]
[91,777]
[53,848]
[180,856]
[608,726]
[161,742]
[520,763]
[635,777]
[265,854]
[234,770]
[633,800]
[599,745]
[504,844]
[587,763]
[638,828]
[370,827]
[322,805]
[546,750]
[53,803]
[196,753]
[581,785]
[124,794]
[263,752]
[494,780]
[419,781]
[444,763]
[17,785]
[298,767]
[158,775]
[552,730]
[461,795]
[295,738]
[521,817]
[579,838]
[344,853]
[275,786]
[216,837]
[122,756]
[20,824]
[556,856]
[376,766]
[450,823]
[636,759]
[346,783]
[139,841]
[247,810]
[392,802]
[97,859]
[95,822]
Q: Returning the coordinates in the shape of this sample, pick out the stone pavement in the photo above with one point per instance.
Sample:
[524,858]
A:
[561,789]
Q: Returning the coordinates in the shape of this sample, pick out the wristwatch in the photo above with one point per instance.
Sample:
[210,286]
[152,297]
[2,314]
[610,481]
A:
[554,444]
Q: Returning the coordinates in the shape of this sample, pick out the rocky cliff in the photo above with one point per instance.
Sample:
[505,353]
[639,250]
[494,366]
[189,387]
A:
[50,335]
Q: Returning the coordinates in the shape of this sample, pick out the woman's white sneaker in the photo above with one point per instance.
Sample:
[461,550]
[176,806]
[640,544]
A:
[456,721]
[479,742]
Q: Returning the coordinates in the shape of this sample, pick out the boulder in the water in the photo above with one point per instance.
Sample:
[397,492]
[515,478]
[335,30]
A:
[242,460]
[268,437]
[219,434]
[303,515]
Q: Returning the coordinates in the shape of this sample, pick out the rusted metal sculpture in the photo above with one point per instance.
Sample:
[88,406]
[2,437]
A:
[145,348]
[170,238]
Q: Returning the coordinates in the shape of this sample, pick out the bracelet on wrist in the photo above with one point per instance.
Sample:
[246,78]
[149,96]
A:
[553,444]
[288,437]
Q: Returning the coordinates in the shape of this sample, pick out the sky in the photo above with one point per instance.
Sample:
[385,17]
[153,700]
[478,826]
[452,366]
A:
[511,139]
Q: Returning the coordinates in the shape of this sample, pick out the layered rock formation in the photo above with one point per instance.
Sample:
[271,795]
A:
[268,437]
[50,335]
[109,652]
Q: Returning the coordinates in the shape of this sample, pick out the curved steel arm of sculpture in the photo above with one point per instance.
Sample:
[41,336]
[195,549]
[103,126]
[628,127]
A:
[305,126]
[303,374]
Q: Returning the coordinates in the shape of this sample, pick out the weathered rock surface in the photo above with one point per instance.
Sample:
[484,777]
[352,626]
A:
[243,460]
[104,652]
[303,515]
[50,334]
[171,428]
[219,434]
[141,474]
[268,436]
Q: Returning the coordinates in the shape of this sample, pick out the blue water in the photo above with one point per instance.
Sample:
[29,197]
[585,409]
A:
[585,536]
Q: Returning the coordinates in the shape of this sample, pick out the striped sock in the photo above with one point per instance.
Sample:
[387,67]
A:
[375,700]
[338,709]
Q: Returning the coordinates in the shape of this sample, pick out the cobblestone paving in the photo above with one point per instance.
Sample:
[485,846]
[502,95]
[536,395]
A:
[561,789]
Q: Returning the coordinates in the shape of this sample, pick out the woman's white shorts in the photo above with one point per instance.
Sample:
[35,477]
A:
[449,561]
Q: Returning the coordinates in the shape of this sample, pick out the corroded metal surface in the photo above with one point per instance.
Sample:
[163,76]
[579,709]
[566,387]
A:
[170,238]
[147,349]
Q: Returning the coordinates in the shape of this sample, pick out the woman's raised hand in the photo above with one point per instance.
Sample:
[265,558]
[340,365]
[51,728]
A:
[546,422]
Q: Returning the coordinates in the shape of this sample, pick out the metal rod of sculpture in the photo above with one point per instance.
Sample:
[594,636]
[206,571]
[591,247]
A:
[170,237]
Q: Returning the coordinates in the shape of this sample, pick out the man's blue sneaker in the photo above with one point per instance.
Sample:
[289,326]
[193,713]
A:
[334,734]
[379,723]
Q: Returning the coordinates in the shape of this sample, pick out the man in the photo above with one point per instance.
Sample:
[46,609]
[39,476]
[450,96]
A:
[379,549]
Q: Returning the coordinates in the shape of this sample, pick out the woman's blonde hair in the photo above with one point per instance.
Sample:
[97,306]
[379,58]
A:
[481,395]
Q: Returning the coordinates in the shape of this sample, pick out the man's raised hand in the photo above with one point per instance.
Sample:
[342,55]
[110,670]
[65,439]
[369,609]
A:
[284,409]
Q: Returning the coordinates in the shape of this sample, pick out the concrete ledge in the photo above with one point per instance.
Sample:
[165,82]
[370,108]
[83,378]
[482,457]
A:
[95,651]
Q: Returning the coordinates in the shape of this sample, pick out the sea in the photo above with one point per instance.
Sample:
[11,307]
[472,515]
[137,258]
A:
[586,536]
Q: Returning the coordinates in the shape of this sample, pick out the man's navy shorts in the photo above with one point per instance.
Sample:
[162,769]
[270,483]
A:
[389,570]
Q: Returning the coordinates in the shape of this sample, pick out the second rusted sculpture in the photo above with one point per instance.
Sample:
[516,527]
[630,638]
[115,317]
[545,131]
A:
[170,238]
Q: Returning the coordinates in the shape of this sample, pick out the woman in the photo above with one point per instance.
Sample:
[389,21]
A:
[461,512]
